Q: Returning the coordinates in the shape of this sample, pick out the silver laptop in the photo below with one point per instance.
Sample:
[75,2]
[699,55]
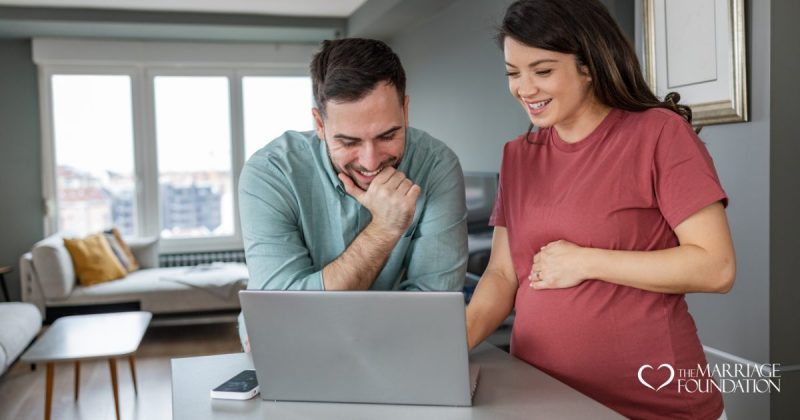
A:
[360,347]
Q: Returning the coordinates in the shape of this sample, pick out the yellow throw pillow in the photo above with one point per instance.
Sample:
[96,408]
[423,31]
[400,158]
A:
[133,265]
[94,260]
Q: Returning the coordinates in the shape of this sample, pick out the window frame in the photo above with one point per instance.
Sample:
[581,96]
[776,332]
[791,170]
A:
[49,158]
[142,62]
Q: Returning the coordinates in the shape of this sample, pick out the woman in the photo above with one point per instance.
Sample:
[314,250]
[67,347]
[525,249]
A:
[605,217]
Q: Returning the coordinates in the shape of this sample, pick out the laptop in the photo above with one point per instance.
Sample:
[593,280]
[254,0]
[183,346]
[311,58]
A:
[360,347]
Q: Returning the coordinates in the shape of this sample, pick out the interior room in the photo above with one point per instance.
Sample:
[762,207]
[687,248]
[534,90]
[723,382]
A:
[140,115]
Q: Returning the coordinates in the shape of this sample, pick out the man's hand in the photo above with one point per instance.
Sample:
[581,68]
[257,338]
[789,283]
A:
[391,198]
[558,265]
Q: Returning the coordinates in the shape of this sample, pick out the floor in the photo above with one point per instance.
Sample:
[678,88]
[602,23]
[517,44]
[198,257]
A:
[22,390]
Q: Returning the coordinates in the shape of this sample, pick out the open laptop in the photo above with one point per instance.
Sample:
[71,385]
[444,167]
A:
[360,347]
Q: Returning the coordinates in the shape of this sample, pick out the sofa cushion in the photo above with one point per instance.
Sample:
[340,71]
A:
[54,268]
[133,265]
[118,252]
[19,323]
[94,260]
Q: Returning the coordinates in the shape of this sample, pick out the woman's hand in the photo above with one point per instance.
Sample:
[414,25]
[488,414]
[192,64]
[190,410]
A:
[557,265]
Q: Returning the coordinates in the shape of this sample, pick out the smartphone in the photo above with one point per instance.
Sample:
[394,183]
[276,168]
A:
[243,386]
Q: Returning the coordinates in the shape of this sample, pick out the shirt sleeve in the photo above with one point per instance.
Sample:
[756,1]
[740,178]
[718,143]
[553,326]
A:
[276,254]
[684,174]
[498,217]
[437,257]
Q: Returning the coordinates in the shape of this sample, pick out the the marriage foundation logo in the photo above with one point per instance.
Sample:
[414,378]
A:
[751,378]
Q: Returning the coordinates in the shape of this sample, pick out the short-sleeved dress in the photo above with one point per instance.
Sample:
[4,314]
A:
[626,186]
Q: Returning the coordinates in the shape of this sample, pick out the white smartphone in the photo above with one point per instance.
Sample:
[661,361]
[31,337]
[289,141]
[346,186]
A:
[243,386]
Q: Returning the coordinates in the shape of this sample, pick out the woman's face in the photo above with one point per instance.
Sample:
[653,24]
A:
[549,85]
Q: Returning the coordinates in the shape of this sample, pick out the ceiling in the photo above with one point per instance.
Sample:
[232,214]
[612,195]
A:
[317,8]
[293,21]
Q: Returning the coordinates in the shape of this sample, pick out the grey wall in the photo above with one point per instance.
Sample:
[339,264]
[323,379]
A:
[785,203]
[20,157]
[459,93]
[457,83]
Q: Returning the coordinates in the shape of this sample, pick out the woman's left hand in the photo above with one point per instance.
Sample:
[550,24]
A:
[557,265]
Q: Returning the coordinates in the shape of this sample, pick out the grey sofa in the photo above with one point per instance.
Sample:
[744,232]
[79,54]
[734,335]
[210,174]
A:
[48,281]
[19,324]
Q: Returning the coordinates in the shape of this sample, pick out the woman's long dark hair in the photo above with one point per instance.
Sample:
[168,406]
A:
[585,29]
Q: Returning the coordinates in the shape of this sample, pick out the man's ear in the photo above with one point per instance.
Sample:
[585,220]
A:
[319,124]
[406,100]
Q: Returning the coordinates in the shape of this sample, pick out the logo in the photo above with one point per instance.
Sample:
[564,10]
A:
[724,377]
[663,365]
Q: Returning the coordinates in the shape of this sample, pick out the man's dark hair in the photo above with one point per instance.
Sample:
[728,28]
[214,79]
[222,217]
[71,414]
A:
[346,70]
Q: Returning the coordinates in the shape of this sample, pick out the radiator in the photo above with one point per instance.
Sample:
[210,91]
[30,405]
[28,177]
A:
[194,258]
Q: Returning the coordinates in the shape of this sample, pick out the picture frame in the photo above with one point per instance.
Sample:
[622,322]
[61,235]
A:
[697,48]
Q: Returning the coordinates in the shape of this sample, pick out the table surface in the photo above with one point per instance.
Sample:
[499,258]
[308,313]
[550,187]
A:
[507,389]
[82,337]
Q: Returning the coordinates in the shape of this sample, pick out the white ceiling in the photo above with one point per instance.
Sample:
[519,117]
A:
[320,8]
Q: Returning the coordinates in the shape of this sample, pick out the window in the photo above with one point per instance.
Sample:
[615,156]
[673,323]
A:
[193,134]
[154,145]
[272,103]
[93,112]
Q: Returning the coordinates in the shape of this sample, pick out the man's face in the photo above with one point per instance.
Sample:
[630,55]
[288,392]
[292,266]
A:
[365,136]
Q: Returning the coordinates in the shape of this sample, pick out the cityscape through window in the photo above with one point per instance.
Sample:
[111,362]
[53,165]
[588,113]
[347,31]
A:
[93,133]
[193,133]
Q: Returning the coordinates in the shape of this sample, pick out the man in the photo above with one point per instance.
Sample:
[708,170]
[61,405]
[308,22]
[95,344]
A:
[364,202]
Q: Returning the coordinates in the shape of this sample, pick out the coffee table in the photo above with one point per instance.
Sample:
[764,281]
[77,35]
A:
[89,337]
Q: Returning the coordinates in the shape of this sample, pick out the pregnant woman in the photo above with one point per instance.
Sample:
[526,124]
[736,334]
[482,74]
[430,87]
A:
[606,216]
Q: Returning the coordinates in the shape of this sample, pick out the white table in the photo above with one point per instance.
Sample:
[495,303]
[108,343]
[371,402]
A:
[88,337]
[507,389]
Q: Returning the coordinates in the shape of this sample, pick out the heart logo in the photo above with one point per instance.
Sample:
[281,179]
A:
[663,365]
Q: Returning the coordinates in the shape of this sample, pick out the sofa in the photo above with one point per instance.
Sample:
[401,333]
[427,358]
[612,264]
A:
[48,281]
[19,324]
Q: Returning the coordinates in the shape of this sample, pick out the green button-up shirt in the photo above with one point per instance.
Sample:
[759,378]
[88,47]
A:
[297,218]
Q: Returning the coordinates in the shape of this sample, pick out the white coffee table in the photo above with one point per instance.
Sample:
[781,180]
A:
[88,337]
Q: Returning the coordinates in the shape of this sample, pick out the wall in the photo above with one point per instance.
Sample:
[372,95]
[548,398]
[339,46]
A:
[457,83]
[458,93]
[21,212]
[785,203]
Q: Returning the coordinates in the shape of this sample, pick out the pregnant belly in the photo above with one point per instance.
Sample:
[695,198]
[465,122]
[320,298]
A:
[595,335]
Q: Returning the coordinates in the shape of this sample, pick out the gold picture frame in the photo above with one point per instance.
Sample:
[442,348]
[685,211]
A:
[710,74]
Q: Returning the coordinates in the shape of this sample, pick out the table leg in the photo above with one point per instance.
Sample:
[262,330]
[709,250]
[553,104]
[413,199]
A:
[48,390]
[132,363]
[112,364]
[77,378]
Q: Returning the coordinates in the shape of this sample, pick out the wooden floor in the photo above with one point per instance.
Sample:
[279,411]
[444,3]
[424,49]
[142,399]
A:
[22,390]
